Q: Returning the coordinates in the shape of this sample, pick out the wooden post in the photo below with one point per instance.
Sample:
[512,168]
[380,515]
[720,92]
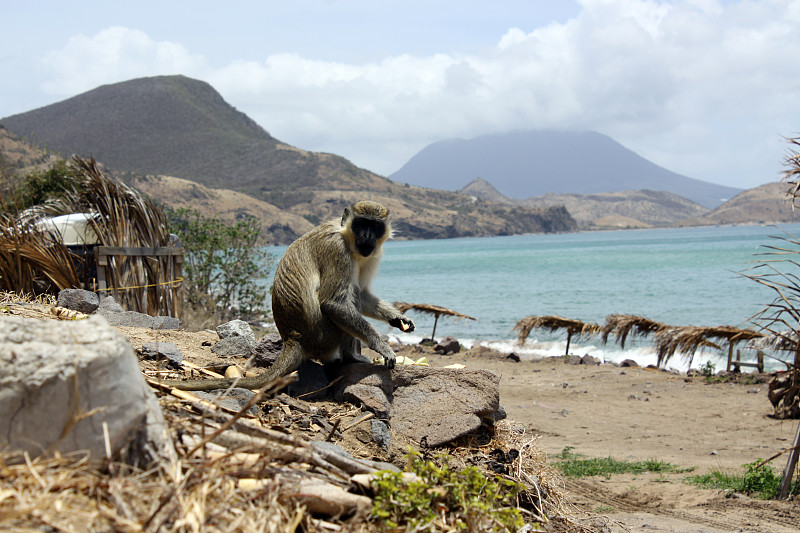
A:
[788,471]
[435,321]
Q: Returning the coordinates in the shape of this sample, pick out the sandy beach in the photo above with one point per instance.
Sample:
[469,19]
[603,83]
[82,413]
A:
[626,413]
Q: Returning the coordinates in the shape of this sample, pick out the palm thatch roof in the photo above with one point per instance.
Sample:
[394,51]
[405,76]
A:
[689,339]
[621,326]
[435,310]
[555,323]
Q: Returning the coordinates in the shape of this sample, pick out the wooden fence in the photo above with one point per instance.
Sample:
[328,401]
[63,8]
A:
[147,280]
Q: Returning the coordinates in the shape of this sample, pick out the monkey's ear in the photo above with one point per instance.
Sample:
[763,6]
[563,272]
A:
[346,215]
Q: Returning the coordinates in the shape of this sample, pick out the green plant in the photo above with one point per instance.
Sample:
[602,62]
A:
[574,465]
[708,369]
[757,480]
[441,498]
[223,264]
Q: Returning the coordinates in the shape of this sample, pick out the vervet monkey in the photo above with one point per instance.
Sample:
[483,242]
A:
[320,292]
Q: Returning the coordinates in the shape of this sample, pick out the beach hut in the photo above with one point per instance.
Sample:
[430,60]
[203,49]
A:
[435,310]
[555,323]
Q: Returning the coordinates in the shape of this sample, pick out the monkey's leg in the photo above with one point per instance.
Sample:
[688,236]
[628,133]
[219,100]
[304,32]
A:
[351,322]
[351,351]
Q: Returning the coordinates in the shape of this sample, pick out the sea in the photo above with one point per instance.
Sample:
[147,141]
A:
[677,276]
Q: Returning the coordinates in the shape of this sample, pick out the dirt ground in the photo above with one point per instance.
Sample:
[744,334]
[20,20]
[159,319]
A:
[625,413]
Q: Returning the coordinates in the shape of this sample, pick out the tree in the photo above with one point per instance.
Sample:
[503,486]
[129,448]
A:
[223,264]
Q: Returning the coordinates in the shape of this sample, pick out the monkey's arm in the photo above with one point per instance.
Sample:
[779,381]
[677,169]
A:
[374,307]
[348,318]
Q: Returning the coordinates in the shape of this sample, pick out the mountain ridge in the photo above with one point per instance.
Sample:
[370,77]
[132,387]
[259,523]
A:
[532,163]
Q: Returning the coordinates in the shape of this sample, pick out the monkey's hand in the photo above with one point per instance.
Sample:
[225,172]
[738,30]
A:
[403,323]
[388,354]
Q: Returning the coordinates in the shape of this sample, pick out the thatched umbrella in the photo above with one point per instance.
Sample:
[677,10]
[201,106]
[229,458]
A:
[554,323]
[689,338]
[623,325]
[435,310]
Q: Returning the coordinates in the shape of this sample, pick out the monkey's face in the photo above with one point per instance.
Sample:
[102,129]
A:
[368,234]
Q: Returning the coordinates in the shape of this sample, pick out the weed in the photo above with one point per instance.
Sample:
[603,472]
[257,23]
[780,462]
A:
[442,498]
[574,465]
[762,483]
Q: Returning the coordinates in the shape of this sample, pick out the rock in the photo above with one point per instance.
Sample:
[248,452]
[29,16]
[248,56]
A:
[163,350]
[500,414]
[62,383]
[590,360]
[117,316]
[380,433]
[572,360]
[166,322]
[447,346]
[236,328]
[267,350]
[236,338]
[109,305]
[79,300]
[431,406]
[236,345]
[513,357]
[629,362]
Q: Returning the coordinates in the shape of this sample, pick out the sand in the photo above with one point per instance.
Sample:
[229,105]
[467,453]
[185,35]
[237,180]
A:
[625,413]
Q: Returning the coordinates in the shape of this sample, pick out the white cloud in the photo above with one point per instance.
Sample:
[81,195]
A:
[114,54]
[701,87]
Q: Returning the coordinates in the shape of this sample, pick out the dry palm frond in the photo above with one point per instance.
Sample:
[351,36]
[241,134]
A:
[621,326]
[435,310]
[555,323]
[689,339]
[34,261]
[792,173]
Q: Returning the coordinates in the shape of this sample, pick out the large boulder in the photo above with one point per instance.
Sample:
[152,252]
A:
[432,406]
[235,338]
[76,386]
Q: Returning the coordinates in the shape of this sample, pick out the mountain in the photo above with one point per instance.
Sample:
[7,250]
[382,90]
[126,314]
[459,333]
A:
[767,204]
[483,189]
[624,209]
[178,127]
[535,163]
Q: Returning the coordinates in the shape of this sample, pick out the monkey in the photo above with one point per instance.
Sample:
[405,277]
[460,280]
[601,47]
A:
[321,294]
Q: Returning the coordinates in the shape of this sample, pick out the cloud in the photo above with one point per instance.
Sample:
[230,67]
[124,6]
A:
[701,87]
[114,54]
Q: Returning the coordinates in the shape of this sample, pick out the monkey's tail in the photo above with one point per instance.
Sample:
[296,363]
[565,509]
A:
[289,359]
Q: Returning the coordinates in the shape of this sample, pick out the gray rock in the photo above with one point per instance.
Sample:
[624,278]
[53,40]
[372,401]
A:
[130,319]
[234,345]
[432,406]
[109,305]
[380,433]
[267,350]
[236,328]
[79,300]
[572,360]
[166,322]
[51,371]
[590,360]
[448,345]
[629,362]
[163,350]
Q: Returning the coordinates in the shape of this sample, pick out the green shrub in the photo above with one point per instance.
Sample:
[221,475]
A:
[443,498]
[762,483]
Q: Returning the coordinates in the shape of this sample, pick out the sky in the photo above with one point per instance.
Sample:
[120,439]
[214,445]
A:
[706,88]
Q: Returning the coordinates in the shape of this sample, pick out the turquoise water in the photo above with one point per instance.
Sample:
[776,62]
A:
[685,276]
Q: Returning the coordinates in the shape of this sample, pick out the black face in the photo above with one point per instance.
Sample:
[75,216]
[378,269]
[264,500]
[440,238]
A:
[367,232]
